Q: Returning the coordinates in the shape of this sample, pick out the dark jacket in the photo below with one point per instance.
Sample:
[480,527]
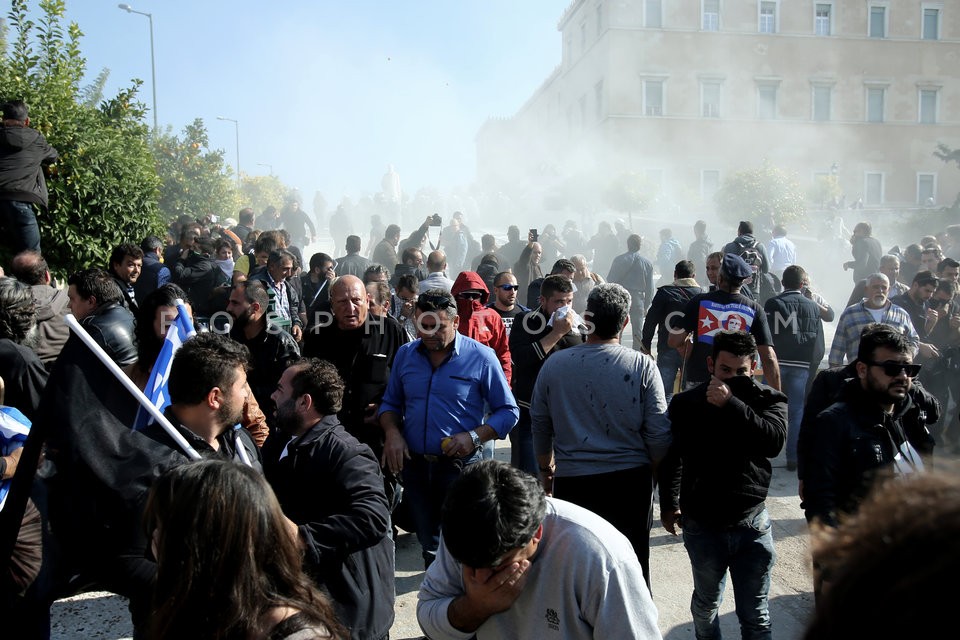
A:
[718,468]
[527,353]
[848,447]
[271,352]
[829,387]
[22,152]
[153,275]
[112,326]
[52,308]
[200,276]
[866,257]
[293,289]
[24,377]
[797,330]
[363,357]
[385,254]
[330,485]
[670,298]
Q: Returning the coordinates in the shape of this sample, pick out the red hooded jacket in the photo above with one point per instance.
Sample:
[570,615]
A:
[482,324]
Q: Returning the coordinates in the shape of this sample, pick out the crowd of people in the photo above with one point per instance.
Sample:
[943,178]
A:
[325,402]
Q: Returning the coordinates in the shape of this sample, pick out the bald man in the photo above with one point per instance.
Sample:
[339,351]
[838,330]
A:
[436,273]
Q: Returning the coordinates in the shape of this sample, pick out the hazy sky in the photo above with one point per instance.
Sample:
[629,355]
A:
[329,92]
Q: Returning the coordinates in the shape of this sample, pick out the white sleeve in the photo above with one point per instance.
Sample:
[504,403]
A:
[442,583]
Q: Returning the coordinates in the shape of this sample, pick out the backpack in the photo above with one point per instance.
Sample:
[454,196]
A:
[750,255]
[763,285]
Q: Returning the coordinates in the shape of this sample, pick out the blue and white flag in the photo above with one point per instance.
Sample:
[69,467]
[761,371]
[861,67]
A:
[180,330]
[14,427]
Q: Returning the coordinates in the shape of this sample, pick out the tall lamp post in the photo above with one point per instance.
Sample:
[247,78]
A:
[153,65]
[268,166]
[236,130]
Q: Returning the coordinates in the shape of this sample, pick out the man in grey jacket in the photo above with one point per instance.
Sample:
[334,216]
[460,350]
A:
[22,152]
[635,274]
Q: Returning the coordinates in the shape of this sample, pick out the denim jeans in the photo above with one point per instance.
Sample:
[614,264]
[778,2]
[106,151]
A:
[425,483]
[793,381]
[521,445]
[669,362]
[747,551]
[19,224]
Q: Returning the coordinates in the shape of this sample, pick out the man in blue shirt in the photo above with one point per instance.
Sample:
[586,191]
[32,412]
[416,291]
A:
[432,412]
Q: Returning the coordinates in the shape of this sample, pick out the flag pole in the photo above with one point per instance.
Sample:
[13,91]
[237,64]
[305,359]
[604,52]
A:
[144,401]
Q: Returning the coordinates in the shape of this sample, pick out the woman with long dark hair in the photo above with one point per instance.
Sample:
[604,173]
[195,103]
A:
[229,564]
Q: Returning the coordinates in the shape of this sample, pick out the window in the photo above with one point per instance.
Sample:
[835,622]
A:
[926,189]
[768,16]
[928,106]
[878,21]
[653,13]
[653,97]
[767,101]
[710,98]
[873,189]
[598,100]
[822,95]
[875,100]
[822,15]
[711,15]
[931,23]
[709,184]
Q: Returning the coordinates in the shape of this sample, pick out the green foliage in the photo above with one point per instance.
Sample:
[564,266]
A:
[259,192]
[753,194]
[103,188]
[824,190]
[194,179]
[92,94]
[949,156]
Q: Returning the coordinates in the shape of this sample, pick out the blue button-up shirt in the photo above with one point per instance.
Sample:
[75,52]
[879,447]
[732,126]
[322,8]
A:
[436,403]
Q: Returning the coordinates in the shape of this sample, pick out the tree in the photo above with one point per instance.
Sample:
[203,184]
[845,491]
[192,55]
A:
[754,194]
[628,193]
[103,189]
[195,181]
[824,191]
[259,192]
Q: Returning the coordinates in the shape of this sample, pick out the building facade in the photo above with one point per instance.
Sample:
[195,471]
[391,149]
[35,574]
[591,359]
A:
[689,91]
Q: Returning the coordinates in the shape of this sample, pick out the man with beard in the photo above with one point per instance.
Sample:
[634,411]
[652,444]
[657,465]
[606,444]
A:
[862,436]
[714,483]
[329,485]
[874,308]
[271,349]
[126,261]
[504,301]
[446,396]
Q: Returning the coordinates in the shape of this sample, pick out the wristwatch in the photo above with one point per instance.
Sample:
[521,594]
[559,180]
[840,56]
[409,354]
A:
[476,439]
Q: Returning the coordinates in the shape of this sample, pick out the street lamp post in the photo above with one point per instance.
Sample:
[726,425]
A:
[153,65]
[268,166]
[236,130]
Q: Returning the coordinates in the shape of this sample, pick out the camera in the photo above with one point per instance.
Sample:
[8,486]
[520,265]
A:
[436,220]
[533,235]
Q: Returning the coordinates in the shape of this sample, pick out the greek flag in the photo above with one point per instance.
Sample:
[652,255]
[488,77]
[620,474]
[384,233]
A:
[14,427]
[181,329]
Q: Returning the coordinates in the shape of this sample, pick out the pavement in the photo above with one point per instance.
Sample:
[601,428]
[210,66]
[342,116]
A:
[104,615]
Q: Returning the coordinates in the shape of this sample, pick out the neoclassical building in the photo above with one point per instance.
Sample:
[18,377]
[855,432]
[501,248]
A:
[688,91]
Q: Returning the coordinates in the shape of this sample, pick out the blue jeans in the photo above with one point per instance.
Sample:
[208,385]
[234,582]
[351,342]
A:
[19,223]
[669,362]
[793,381]
[521,445]
[747,551]
[425,483]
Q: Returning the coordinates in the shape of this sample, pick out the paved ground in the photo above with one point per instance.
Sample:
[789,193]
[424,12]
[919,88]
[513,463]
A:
[103,615]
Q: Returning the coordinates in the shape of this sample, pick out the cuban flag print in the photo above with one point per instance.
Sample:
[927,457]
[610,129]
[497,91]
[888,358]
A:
[715,316]
[181,329]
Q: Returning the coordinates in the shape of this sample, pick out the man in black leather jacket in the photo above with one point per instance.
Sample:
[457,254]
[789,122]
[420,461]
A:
[875,428]
[96,301]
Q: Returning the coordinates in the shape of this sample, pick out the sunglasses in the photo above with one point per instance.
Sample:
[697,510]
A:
[469,295]
[893,368]
[510,287]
